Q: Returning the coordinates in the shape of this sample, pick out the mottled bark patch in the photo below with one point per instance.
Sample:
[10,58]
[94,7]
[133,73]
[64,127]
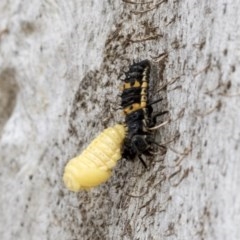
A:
[8,95]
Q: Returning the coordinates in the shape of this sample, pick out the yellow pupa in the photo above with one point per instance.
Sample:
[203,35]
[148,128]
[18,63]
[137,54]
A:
[94,165]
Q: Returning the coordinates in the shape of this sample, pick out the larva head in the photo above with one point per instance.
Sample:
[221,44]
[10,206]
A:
[93,166]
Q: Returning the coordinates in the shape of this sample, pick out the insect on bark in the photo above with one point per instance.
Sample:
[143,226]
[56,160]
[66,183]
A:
[129,140]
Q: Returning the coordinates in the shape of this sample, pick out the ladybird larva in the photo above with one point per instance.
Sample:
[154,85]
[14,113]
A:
[94,165]
[138,111]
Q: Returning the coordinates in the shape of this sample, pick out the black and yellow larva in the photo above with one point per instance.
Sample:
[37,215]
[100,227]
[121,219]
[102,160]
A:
[135,87]
[131,139]
[138,111]
[94,165]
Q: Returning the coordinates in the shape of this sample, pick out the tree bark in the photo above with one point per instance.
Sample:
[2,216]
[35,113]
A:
[61,65]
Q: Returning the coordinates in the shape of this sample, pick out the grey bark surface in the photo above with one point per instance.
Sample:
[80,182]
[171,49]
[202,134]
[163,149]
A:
[60,68]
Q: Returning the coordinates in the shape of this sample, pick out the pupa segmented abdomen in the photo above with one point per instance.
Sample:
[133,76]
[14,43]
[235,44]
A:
[94,165]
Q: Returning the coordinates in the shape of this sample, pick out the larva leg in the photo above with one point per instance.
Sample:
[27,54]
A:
[156,101]
[154,118]
[159,126]
[142,161]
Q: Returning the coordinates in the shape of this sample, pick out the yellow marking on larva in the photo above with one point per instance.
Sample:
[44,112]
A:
[133,107]
[143,104]
[143,98]
[144,91]
[94,165]
[144,85]
[129,85]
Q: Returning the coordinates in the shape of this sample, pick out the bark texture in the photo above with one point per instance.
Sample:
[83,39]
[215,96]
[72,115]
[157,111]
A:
[60,68]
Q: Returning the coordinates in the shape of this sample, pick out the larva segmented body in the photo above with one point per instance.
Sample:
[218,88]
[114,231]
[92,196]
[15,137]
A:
[135,87]
[94,165]
[138,111]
